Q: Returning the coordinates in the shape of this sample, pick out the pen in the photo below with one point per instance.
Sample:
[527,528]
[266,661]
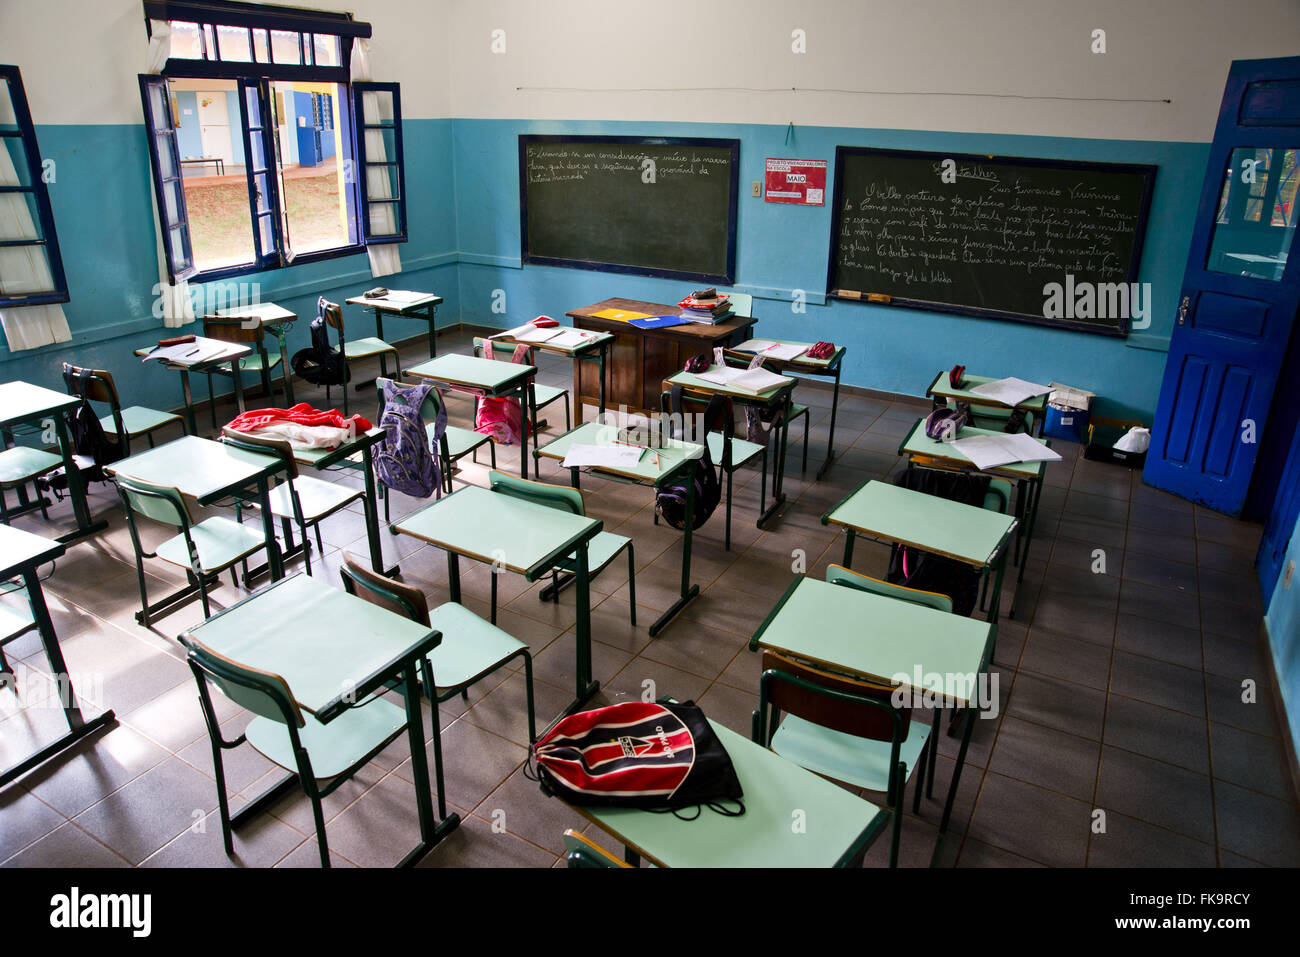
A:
[643,449]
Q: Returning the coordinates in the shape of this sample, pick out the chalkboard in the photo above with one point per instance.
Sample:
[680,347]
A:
[653,206]
[989,241]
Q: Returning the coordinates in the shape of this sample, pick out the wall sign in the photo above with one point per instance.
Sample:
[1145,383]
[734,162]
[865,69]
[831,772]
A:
[796,181]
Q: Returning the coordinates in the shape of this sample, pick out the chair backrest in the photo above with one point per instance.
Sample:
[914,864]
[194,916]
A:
[540,493]
[263,445]
[229,329]
[837,702]
[162,503]
[839,575]
[261,692]
[97,385]
[333,314]
[486,348]
[582,851]
[398,597]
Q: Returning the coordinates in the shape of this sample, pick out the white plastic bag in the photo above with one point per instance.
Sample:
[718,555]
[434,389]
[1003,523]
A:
[1135,440]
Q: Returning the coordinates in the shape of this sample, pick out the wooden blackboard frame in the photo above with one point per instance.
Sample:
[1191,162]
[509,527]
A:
[728,278]
[1146,170]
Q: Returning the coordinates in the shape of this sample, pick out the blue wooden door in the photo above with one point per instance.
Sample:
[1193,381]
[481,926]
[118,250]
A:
[1239,295]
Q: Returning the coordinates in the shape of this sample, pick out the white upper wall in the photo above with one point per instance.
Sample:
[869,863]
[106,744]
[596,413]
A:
[1156,49]
[80,58]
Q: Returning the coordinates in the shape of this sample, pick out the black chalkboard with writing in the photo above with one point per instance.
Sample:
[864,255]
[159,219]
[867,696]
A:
[988,238]
[653,206]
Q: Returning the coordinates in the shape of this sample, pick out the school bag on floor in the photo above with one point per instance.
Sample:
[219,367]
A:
[404,461]
[319,363]
[659,755]
[499,418]
[89,441]
[670,500]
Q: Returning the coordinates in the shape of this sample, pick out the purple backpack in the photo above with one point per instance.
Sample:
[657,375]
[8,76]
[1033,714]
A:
[404,461]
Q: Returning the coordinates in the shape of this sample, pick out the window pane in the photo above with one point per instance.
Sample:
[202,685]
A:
[24,270]
[234,44]
[13,146]
[326,48]
[166,158]
[261,46]
[185,42]
[177,239]
[19,217]
[318,201]
[379,107]
[381,182]
[7,119]
[285,47]
[1246,242]
[210,42]
[216,196]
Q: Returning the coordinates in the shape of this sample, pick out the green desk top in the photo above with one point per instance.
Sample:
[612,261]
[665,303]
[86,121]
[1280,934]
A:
[918,443]
[761,837]
[327,644]
[878,637]
[21,402]
[964,532]
[200,468]
[524,537]
[20,550]
[691,381]
[597,338]
[471,372]
[397,306]
[940,387]
[670,459]
[798,362]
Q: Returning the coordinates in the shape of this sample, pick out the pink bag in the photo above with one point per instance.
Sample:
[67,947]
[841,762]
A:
[499,418]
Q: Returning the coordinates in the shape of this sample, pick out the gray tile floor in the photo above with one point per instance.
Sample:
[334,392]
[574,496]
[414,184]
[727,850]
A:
[1120,689]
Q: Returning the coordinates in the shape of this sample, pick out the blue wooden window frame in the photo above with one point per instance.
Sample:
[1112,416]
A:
[48,240]
[361,124]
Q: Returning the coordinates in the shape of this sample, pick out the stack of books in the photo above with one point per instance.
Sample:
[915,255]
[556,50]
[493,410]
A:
[706,306]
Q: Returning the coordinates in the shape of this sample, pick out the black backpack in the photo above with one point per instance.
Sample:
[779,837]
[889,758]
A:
[926,571]
[320,364]
[88,437]
[671,499]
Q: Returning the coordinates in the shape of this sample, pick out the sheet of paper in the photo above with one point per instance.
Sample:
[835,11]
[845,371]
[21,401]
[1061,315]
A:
[1026,448]
[721,375]
[776,350]
[192,353]
[512,333]
[760,380]
[608,456]
[990,451]
[406,295]
[535,334]
[568,338]
[1010,391]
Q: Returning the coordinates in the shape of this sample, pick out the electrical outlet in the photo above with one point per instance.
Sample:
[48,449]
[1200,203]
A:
[1290,570]
[758,188]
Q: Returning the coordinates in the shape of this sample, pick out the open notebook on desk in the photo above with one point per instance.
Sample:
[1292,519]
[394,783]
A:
[201,349]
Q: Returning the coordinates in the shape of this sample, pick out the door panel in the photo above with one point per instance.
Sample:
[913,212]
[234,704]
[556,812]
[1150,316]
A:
[1238,303]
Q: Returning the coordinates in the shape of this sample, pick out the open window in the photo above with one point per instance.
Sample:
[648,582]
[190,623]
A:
[377,108]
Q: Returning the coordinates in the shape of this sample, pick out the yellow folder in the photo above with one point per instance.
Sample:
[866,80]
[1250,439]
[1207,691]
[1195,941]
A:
[619,315]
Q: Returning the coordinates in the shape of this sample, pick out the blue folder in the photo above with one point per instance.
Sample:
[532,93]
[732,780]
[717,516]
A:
[658,322]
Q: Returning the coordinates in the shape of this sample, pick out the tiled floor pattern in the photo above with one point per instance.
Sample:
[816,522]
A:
[1120,689]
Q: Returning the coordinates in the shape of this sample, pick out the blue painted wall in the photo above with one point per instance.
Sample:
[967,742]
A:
[781,248]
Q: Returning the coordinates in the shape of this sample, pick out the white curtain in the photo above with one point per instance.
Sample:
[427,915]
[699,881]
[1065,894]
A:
[24,269]
[177,309]
[385,260]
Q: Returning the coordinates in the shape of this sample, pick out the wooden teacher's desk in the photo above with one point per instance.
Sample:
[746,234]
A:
[642,359]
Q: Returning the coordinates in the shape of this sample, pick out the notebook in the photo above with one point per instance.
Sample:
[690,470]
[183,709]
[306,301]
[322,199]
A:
[619,315]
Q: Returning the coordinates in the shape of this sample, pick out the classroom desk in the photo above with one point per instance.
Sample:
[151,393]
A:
[523,537]
[839,824]
[656,470]
[701,390]
[964,533]
[21,553]
[279,321]
[804,366]
[642,358]
[425,308]
[1028,476]
[596,349]
[234,354]
[940,391]
[486,378]
[887,640]
[207,472]
[330,669]
[25,404]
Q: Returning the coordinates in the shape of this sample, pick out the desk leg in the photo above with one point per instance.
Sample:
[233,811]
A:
[379,324]
[288,372]
[778,439]
[830,441]
[1034,489]
[527,412]
[849,535]
[971,718]
[433,333]
[273,558]
[689,591]
[586,687]
[453,576]
[239,385]
[372,519]
[86,525]
[78,727]
[600,408]
[431,831]
[189,401]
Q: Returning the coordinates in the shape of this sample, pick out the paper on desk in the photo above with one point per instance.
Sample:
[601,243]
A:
[406,295]
[775,350]
[1010,391]
[514,333]
[191,353]
[760,380]
[990,451]
[568,338]
[607,456]
[538,334]
[720,375]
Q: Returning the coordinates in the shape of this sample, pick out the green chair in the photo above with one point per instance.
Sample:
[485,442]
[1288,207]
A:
[582,852]
[839,575]
[355,351]
[601,550]
[19,466]
[543,395]
[471,649]
[15,621]
[842,728]
[204,550]
[993,418]
[299,498]
[260,362]
[283,734]
[97,385]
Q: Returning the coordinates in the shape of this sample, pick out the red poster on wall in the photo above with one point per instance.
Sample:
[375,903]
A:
[796,181]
